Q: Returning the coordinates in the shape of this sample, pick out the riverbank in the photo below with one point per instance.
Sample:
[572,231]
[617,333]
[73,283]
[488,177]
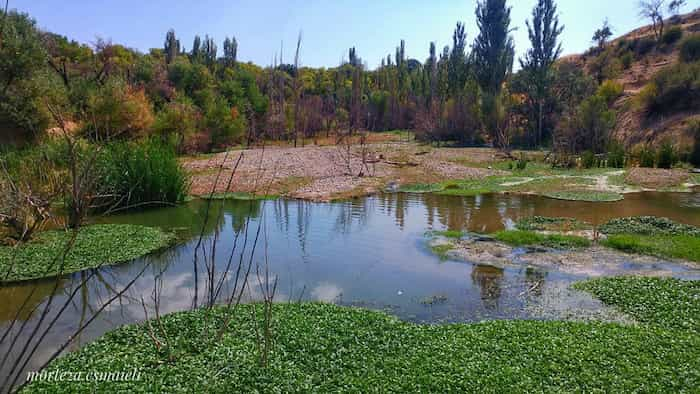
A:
[323,347]
[327,172]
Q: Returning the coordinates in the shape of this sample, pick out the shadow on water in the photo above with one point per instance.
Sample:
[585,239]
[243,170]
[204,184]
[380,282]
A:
[368,252]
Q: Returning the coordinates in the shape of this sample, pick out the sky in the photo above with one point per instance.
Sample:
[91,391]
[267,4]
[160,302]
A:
[328,27]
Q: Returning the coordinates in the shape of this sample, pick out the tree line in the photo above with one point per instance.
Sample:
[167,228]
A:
[200,99]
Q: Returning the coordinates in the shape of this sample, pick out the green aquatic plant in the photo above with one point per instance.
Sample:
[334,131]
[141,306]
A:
[665,302]
[321,347]
[648,225]
[544,223]
[585,195]
[94,246]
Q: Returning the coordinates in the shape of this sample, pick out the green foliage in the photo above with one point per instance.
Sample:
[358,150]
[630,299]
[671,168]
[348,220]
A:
[609,91]
[671,35]
[143,173]
[648,225]
[690,49]
[421,188]
[627,60]
[589,160]
[667,157]
[694,129]
[177,123]
[666,246]
[544,223]
[668,303]
[94,246]
[117,110]
[23,78]
[616,155]
[321,347]
[647,157]
[531,238]
[675,88]
[447,233]
[585,195]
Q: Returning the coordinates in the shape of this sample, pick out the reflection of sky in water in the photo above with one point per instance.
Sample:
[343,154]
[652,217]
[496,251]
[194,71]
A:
[368,252]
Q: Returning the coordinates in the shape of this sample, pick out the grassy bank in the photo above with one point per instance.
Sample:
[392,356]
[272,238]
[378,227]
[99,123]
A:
[94,246]
[531,238]
[673,246]
[327,348]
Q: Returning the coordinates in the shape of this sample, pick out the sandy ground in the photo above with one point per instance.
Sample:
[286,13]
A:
[330,172]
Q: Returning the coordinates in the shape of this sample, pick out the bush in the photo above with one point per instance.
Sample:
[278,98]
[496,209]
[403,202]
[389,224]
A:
[690,49]
[644,46]
[675,88]
[695,155]
[672,35]
[610,91]
[647,157]
[626,60]
[145,173]
[667,156]
[589,160]
[616,155]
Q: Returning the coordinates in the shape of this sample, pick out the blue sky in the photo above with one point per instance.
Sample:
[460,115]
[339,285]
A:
[329,27]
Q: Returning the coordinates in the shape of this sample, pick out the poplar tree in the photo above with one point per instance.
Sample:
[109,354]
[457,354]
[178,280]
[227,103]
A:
[171,47]
[544,33]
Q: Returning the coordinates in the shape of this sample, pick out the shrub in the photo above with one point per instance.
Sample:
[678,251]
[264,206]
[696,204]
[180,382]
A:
[675,88]
[626,60]
[690,49]
[644,46]
[695,155]
[667,156]
[610,91]
[616,155]
[647,157]
[672,35]
[589,160]
[117,110]
[145,173]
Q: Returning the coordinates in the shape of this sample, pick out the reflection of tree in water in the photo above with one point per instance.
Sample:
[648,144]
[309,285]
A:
[353,212]
[240,211]
[29,294]
[534,281]
[489,279]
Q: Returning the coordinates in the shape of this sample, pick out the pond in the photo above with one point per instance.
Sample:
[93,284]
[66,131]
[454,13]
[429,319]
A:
[369,252]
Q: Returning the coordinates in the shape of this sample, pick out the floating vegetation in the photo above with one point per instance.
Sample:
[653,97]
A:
[585,195]
[544,223]
[648,225]
[94,246]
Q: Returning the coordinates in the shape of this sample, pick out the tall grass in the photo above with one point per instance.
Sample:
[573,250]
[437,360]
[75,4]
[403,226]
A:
[140,174]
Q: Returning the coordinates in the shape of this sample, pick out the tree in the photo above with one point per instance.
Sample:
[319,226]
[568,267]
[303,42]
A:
[457,73]
[171,46]
[209,51]
[493,54]
[543,33]
[674,7]
[230,51]
[23,80]
[653,9]
[196,53]
[600,36]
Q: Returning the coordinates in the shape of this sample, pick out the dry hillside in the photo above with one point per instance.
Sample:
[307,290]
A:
[633,126]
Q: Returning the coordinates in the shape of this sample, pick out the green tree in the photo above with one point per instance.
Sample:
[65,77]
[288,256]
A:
[171,46]
[493,54]
[230,51]
[543,32]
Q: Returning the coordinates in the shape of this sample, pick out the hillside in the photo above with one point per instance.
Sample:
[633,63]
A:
[635,125]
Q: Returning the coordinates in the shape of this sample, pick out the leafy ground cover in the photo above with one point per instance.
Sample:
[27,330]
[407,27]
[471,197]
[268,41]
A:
[585,195]
[531,238]
[664,302]
[94,246]
[328,348]
[544,223]
[648,225]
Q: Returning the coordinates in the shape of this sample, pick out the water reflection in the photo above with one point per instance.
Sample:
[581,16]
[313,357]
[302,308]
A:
[369,252]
